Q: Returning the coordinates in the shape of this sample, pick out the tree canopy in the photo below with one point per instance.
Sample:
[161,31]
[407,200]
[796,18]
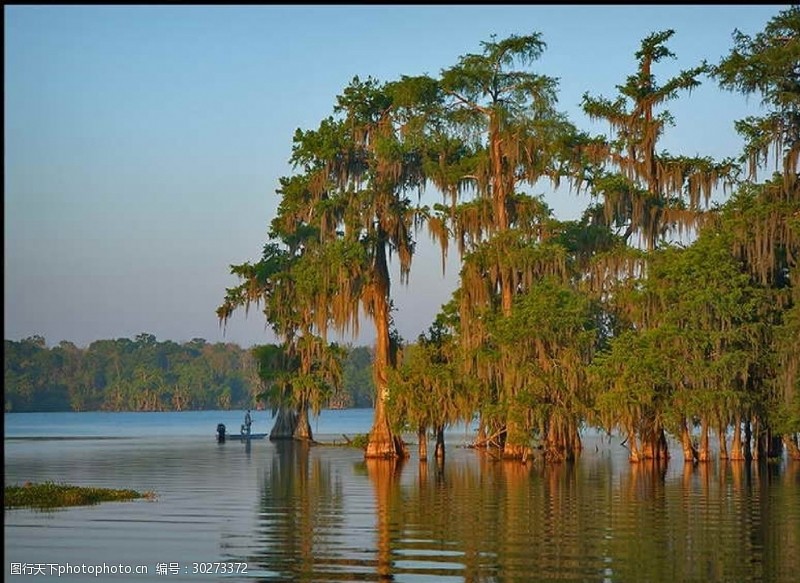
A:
[657,312]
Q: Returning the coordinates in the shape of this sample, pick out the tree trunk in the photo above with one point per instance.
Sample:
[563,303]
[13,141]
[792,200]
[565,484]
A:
[722,435]
[500,192]
[439,442]
[562,442]
[422,438]
[748,437]
[770,445]
[302,432]
[689,451]
[577,443]
[654,440]
[663,447]
[635,455]
[554,447]
[483,439]
[514,446]
[758,450]
[382,442]
[775,446]
[792,449]
[516,443]
[736,452]
[704,454]
[285,423]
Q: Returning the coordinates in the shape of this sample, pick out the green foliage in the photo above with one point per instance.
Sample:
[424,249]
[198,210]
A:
[127,375]
[650,194]
[360,441]
[546,344]
[357,378]
[555,324]
[428,388]
[767,65]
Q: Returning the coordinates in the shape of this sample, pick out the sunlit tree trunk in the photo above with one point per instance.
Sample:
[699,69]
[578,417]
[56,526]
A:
[562,441]
[704,454]
[736,451]
[633,446]
[792,449]
[382,441]
[654,439]
[422,438]
[302,431]
[554,450]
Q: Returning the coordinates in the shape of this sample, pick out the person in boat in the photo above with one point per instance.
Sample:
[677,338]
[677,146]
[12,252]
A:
[248,421]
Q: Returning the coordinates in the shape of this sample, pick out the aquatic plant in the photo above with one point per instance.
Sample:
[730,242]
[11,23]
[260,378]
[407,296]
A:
[50,495]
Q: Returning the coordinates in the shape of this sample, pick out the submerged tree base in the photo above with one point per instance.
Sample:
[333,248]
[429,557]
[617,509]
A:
[49,495]
[383,444]
[285,425]
[516,452]
[393,447]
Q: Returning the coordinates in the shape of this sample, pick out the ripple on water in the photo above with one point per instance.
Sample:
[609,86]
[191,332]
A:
[322,514]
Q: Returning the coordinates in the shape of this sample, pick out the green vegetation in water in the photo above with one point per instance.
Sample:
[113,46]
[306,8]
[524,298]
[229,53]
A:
[360,440]
[49,495]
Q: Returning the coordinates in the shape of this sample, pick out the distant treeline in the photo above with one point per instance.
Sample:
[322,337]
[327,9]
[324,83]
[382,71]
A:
[144,374]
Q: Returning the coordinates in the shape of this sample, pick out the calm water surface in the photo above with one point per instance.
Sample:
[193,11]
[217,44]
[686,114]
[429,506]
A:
[321,513]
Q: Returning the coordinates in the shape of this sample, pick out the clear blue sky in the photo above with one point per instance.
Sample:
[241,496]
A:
[143,144]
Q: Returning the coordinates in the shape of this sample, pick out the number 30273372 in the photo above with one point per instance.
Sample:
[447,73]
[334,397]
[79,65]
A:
[218,567]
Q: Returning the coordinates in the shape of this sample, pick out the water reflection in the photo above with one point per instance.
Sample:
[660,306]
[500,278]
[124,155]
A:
[384,475]
[316,514]
[301,504]
[482,519]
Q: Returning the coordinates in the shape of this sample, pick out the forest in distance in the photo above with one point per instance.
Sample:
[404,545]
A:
[145,374]
[659,312]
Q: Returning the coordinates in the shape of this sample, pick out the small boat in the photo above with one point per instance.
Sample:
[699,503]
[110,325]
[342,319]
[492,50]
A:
[222,436]
[244,437]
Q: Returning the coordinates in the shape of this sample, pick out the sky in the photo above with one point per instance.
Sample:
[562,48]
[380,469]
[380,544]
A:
[143,144]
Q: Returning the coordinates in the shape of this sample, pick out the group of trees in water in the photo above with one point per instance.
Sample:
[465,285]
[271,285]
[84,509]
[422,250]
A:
[144,374]
[658,312]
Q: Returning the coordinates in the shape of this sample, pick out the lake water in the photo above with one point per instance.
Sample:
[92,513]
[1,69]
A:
[286,512]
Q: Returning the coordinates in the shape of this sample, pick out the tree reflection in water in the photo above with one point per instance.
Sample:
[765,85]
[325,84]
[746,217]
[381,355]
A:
[385,476]
[327,514]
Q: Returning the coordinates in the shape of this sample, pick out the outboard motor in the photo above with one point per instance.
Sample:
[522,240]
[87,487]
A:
[221,432]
